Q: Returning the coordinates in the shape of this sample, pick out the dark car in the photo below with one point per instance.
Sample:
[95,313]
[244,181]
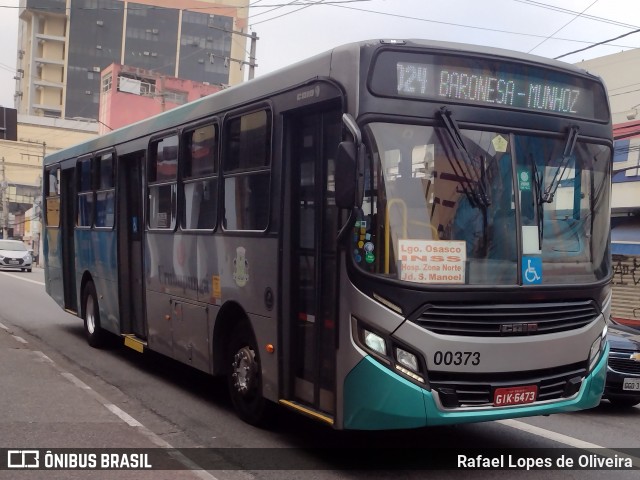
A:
[623,369]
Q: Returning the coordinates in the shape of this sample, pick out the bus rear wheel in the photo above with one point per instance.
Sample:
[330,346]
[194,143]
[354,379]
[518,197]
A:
[91,315]
[244,378]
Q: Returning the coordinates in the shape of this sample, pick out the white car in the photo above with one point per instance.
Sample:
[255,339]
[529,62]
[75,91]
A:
[15,254]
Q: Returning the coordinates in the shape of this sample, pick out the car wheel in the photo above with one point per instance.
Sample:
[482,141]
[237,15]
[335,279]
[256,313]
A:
[91,314]
[245,378]
[28,269]
[624,402]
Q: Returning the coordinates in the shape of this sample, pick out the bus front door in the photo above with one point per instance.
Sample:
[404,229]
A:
[314,139]
[130,245]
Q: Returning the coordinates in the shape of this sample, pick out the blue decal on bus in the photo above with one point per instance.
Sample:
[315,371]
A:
[531,270]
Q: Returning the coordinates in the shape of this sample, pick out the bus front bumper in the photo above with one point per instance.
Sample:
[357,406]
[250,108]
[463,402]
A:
[376,398]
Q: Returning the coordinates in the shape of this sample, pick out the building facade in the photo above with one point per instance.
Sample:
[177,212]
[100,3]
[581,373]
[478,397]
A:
[63,46]
[131,94]
[620,72]
[21,170]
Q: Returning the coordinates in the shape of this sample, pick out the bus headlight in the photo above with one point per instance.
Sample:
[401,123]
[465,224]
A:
[407,359]
[375,342]
[389,352]
[597,347]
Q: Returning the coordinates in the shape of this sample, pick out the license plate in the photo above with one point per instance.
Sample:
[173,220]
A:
[631,384]
[515,395]
[14,262]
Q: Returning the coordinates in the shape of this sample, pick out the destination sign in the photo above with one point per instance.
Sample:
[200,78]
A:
[488,82]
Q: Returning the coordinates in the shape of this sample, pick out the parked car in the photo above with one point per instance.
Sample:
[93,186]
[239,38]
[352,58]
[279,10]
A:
[623,368]
[15,254]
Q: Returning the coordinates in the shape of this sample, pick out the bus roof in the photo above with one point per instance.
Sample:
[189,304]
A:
[277,81]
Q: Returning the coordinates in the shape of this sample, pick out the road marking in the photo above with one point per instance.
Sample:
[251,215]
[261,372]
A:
[567,440]
[195,469]
[124,416]
[22,278]
[20,339]
[43,356]
[4,327]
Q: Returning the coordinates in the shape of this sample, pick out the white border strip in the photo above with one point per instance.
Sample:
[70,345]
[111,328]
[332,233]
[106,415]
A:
[22,278]
[567,440]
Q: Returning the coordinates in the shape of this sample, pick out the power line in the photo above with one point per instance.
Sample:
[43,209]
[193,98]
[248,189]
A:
[599,43]
[319,2]
[453,24]
[573,12]
[562,27]
[276,8]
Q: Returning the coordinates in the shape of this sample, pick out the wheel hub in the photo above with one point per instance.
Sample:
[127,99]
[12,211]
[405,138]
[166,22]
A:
[244,370]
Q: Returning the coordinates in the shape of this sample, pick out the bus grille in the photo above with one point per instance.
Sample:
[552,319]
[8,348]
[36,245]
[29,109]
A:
[476,390]
[623,365]
[496,320]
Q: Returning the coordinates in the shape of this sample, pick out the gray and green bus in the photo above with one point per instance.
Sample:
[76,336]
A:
[392,234]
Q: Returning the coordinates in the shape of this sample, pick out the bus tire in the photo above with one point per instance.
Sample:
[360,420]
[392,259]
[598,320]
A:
[244,378]
[91,314]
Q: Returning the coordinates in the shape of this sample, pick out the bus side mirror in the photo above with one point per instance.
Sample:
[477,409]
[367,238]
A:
[345,175]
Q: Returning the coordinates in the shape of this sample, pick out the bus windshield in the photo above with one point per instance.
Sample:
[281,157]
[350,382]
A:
[482,207]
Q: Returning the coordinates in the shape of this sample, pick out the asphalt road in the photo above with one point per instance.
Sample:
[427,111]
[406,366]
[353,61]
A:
[187,409]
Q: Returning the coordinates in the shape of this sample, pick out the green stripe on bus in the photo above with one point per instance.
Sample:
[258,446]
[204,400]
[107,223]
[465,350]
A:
[377,398]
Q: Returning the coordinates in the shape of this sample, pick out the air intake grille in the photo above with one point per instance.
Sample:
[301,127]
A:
[495,320]
[623,365]
[475,390]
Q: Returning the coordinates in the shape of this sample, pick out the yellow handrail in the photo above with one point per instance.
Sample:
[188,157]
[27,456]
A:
[387,233]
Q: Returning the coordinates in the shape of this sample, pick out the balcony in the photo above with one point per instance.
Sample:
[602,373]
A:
[48,61]
[42,38]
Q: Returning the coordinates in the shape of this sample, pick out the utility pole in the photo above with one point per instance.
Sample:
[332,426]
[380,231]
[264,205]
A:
[252,55]
[4,186]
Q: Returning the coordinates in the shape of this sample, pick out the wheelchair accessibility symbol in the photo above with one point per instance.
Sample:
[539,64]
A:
[531,270]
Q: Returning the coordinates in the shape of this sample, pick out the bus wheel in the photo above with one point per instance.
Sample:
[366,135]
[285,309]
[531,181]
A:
[92,329]
[245,378]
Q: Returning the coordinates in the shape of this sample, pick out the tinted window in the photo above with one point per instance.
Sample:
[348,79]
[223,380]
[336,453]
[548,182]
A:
[247,172]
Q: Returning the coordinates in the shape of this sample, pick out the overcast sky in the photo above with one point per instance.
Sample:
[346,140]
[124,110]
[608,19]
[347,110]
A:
[290,33]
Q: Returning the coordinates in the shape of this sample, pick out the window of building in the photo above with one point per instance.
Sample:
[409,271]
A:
[179,98]
[200,178]
[162,179]
[107,83]
[247,169]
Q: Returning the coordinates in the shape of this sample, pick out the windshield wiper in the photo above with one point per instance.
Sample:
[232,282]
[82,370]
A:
[537,181]
[473,183]
[550,191]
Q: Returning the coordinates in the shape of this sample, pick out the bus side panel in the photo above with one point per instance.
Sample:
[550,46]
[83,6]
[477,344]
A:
[96,254]
[159,322]
[187,272]
[247,267]
[52,251]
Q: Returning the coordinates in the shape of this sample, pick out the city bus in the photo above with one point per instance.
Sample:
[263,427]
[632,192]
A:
[393,234]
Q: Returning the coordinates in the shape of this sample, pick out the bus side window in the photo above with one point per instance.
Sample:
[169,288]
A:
[163,176]
[52,199]
[105,194]
[200,179]
[86,198]
[247,170]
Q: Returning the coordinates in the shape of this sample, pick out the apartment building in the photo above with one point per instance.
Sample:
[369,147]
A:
[63,46]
